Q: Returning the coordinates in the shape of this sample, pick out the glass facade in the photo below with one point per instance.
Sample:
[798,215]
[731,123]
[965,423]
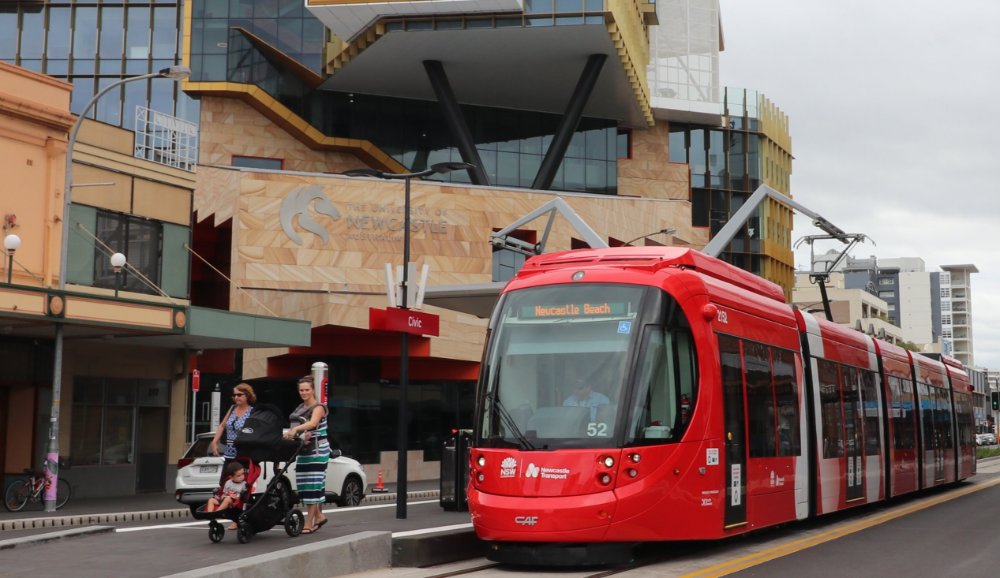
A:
[511,143]
[725,170]
[727,165]
[92,44]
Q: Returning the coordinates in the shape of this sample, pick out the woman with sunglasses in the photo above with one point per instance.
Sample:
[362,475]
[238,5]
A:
[243,400]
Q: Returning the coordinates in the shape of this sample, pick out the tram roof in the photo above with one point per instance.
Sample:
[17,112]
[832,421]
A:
[654,258]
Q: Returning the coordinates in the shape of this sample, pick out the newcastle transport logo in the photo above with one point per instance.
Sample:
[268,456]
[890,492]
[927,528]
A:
[533,471]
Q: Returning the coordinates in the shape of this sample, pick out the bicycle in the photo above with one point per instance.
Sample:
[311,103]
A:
[20,492]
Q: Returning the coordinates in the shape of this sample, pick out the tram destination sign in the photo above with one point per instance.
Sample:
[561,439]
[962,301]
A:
[585,309]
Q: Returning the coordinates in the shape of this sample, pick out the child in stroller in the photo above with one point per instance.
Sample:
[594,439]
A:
[260,441]
[230,494]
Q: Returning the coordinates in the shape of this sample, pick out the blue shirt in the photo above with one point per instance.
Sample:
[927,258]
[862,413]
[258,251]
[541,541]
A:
[592,401]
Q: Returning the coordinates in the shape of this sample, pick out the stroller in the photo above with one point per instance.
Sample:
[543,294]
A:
[260,441]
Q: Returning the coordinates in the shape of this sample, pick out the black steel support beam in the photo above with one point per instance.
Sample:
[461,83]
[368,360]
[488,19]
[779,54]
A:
[570,120]
[456,121]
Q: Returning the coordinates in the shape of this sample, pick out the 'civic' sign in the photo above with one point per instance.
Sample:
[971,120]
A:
[403,320]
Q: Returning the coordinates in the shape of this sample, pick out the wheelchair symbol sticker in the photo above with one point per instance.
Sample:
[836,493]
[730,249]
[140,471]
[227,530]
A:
[625,327]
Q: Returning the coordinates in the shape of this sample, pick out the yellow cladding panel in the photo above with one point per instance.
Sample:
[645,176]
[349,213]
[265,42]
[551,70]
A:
[24,302]
[83,309]
[101,188]
[162,202]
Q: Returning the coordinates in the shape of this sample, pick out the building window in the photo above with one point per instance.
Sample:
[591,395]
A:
[140,240]
[624,143]
[105,412]
[258,163]
[946,320]
[946,292]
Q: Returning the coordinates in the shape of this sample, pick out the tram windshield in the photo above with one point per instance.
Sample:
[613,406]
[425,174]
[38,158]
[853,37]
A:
[559,365]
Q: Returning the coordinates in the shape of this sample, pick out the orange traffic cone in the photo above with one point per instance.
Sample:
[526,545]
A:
[379,487]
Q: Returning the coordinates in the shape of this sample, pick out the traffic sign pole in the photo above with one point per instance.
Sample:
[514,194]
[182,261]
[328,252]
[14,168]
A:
[195,386]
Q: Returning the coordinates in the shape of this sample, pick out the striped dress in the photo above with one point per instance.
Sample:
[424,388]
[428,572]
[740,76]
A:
[310,465]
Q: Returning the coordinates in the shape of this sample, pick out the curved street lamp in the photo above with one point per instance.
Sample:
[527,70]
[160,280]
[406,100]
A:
[174,73]
[404,355]
[666,231]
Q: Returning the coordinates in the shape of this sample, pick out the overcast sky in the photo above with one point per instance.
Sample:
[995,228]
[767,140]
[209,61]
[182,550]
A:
[892,107]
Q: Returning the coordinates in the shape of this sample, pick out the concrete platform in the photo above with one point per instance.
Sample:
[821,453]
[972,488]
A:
[428,538]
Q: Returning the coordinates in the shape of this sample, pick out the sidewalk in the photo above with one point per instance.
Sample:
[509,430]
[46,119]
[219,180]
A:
[154,506]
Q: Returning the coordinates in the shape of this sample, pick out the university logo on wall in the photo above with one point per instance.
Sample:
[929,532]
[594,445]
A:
[297,204]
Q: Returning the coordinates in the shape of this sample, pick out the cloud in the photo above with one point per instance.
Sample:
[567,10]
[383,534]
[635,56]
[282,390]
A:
[889,107]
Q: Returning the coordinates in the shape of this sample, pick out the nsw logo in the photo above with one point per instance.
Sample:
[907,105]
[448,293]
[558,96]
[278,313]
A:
[508,467]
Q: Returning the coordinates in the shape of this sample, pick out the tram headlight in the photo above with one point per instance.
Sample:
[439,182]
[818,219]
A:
[635,458]
[480,477]
[632,472]
[604,478]
[481,460]
[608,461]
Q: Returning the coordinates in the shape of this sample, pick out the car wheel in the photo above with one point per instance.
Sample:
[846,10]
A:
[352,492]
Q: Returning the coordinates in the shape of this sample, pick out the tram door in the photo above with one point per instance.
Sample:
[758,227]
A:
[734,423]
[854,449]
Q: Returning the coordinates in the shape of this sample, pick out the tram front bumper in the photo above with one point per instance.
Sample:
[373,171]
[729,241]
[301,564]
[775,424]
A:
[583,518]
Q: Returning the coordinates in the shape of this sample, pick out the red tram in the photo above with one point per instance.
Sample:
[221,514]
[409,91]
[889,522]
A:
[654,393]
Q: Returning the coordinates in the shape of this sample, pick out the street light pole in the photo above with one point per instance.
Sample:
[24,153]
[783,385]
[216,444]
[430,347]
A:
[52,457]
[402,424]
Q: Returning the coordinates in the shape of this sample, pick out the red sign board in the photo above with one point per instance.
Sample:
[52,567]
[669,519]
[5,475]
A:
[195,380]
[403,321]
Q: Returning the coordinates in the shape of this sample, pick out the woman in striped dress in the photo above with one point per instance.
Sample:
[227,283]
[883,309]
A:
[309,418]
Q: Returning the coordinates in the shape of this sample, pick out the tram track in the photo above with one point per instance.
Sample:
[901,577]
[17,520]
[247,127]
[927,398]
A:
[482,570]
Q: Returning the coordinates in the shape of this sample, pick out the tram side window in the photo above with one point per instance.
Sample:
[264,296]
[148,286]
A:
[965,418]
[849,377]
[829,399]
[786,396]
[760,400]
[870,402]
[772,401]
[903,432]
[942,417]
[931,440]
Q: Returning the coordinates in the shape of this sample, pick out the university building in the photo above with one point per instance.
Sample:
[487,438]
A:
[602,118]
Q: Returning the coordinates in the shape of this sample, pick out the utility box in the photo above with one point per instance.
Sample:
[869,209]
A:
[455,471]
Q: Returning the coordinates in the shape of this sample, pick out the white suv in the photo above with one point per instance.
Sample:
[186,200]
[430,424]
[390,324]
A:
[198,476]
